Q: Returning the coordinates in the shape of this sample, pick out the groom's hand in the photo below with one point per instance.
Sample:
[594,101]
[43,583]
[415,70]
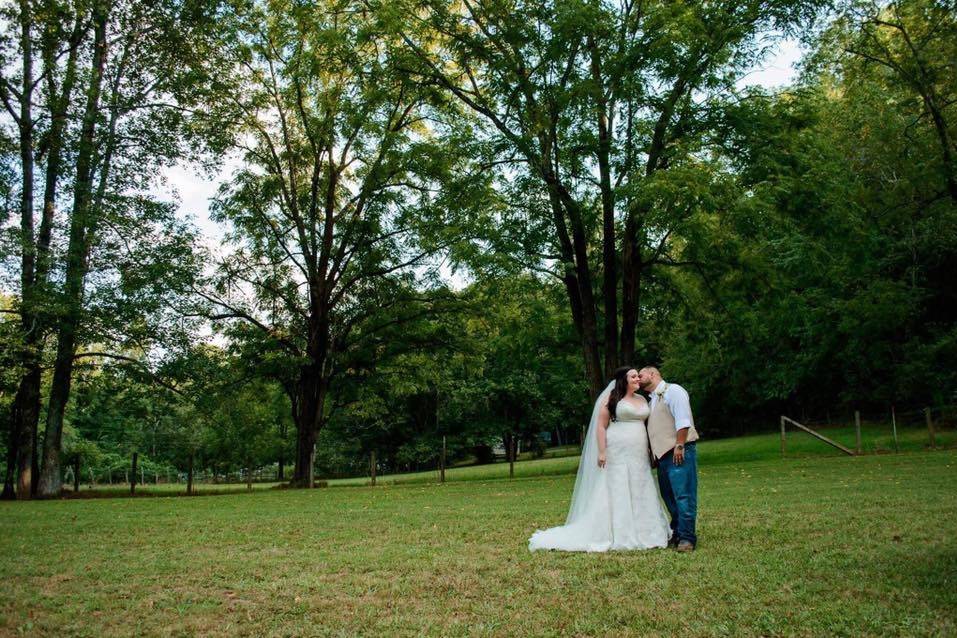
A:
[679,455]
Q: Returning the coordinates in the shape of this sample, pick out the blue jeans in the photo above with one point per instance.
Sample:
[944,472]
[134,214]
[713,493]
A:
[679,491]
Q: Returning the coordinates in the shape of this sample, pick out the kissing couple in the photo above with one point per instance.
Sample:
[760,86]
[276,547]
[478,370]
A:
[615,505]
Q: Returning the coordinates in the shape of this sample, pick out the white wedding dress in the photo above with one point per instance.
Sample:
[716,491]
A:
[617,507]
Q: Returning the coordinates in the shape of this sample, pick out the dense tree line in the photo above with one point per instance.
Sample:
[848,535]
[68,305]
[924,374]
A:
[594,173]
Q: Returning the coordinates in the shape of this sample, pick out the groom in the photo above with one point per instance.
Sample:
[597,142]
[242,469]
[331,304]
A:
[671,434]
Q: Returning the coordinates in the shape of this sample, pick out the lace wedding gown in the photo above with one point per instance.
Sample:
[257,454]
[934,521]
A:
[622,510]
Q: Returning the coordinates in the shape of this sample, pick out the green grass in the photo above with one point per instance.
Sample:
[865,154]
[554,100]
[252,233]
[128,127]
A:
[818,545]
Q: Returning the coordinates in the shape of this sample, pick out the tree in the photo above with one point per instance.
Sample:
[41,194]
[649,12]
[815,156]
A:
[100,149]
[339,202]
[915,42]
[588,103]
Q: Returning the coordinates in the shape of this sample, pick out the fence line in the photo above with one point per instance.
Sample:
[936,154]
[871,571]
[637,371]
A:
[944,413]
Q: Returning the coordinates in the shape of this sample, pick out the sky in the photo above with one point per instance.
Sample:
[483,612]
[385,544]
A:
[193,190]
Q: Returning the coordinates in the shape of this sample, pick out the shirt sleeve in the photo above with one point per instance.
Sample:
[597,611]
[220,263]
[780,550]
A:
[680,405]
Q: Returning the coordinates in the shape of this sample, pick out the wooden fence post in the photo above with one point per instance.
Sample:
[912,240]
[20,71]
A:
[76,474]
[897,447]
[442,462]
[133,474]
[930,427]
[372,466]
[857,429]
[312,467]
[189,474]
[512,454]
[783,437]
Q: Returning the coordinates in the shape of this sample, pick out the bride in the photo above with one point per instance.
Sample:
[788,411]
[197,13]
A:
[615,503]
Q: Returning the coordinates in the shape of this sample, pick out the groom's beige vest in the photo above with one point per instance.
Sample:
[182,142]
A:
[661,429]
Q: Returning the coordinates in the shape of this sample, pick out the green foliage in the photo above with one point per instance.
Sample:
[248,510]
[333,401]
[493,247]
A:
[205,407]
[502,359]
[824,280]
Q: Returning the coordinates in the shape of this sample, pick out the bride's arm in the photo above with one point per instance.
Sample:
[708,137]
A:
[601,432]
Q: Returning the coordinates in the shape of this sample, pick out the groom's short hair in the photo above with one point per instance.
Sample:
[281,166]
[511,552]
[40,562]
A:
[651,369]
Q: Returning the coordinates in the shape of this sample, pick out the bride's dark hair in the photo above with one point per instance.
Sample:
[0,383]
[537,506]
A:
[619,391]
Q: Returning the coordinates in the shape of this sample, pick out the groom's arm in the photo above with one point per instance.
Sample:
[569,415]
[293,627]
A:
[680,405]
[679,453]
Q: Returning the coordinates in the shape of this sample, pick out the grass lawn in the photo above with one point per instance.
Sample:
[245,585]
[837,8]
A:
[812,545]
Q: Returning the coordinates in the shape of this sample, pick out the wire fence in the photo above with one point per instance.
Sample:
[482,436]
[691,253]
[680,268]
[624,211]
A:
[877,431]
[945,415]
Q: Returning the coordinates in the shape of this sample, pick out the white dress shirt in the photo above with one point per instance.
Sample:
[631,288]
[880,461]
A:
[677,400]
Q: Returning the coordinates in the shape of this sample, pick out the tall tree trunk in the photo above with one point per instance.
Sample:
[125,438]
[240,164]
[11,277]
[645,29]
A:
[312,395]
[49,479]
[34,462]
[577,276]
[76,266]
[35,291]
[21,434]
[9,493]
[26,403]
[27,243]
[590,344]
[586,335]
[631,288]
[609,247]
[59,102]
[631,257]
